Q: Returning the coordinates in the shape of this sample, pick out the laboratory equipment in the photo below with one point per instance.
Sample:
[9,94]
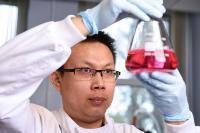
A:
[151,49]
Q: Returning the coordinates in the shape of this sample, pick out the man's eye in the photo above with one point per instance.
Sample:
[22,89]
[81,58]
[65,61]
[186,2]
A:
[85,70]
[108,71]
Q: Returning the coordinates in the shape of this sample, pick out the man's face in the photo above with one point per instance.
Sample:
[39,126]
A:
[87,100]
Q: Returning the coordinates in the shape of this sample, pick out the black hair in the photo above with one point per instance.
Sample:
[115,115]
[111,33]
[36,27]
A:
[103,38]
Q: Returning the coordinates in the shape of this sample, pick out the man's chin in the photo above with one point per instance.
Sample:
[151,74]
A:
[97,114]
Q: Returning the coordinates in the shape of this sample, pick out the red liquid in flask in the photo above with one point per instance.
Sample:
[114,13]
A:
[140,60]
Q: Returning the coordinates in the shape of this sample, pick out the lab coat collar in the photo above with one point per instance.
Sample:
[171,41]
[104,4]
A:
[69,126]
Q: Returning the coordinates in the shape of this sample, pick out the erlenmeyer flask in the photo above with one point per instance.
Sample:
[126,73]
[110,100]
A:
[151,49]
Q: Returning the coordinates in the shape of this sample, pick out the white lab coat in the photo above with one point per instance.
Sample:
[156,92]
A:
[24,62]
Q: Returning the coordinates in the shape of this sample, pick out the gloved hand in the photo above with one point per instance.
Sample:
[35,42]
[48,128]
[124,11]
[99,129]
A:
[108,11]
[169,94]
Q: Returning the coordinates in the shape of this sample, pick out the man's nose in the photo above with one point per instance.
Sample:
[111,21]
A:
[98,82]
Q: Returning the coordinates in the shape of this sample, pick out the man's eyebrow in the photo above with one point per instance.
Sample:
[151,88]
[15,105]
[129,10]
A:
[90,64]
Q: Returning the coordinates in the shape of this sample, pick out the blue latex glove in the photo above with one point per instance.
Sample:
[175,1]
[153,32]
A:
[168,91]
[105,13]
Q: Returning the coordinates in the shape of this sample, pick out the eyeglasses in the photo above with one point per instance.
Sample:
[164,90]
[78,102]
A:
[88,73]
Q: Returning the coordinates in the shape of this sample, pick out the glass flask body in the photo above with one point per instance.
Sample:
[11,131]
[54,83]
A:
[151,49]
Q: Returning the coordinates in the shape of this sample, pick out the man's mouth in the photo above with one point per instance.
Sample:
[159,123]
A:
[97,101]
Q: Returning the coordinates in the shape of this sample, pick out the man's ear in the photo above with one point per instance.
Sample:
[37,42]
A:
[55,79]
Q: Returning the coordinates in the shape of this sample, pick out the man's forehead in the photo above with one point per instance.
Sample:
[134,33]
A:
[90,47]
[90,62]
[90,54]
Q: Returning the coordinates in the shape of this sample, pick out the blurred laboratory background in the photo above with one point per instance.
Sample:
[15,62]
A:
[132,103]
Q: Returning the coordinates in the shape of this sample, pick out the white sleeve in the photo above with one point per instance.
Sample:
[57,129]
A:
[30,57]
[187,127]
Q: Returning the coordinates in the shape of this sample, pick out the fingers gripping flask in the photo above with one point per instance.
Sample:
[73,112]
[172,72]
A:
[151,49]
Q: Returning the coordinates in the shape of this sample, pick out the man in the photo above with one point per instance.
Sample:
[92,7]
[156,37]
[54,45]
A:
[86,83]
[30,57]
